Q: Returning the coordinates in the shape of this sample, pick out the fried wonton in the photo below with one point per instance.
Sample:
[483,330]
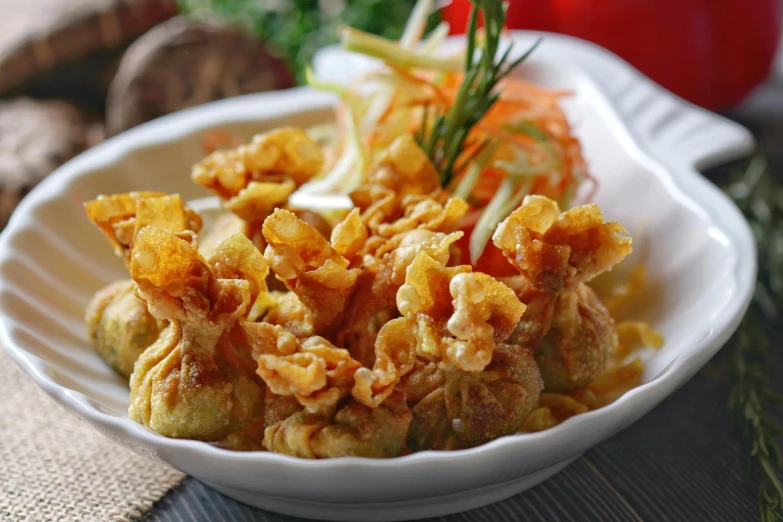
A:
[314,371]
[121,216]
[581,335]
[557,253]
[457,316]
[118,323]
[310,267]
[467,387]
[198,380]
[461,409]
[258,177]
[557,250]
[354,430]
[403,170]
[374,301]
[120,326]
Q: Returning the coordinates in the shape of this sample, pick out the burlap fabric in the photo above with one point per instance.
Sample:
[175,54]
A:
[55,467]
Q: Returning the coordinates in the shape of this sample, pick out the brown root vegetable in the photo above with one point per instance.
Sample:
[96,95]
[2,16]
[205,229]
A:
[36,137]
[185,62]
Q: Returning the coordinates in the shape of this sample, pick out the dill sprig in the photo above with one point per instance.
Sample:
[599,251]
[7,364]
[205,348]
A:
[443,139]
[751,396]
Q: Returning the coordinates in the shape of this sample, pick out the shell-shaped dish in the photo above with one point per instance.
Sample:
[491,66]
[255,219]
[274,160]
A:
[643,144]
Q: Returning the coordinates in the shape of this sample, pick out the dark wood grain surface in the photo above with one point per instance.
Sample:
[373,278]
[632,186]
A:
[682,462]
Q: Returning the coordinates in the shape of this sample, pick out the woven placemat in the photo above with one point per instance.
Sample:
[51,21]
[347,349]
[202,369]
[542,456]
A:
[55,467]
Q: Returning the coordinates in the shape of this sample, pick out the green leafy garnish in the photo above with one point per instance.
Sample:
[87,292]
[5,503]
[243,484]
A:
[752,397]
[390,52]
[296,29]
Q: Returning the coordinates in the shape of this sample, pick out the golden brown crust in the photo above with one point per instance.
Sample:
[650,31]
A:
[382,342]
[305,261]
[402,171]
[555,250]
[455,315]
[353,431]
[314,371]
[195,382]
[284,153]
[121,216]
[258,177]
[556,254]
[471,408]
[581,337]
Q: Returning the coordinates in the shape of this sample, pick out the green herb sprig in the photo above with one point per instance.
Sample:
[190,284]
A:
[443,139]
[752,397]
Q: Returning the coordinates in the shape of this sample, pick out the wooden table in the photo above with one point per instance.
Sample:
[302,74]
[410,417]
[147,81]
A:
[682,462]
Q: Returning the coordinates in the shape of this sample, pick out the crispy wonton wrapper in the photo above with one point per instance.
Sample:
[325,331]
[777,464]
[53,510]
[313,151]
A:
[556,249]
[353,431]
[557,254]
[403,170]
[305,261]
[314,371]
[374,300]
[197,381]
[121,216]
[467,387]
[258,177]
[457,316]
[281,153]
[467,409]
[118,323]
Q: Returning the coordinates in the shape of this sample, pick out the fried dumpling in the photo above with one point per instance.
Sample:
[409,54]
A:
[354,430]
[468,386]
[312,370]
[121,216]
[310,267]
[118,322]
[557,250]
[120,326]
[277,408]
[557,253]
[578,343]
[466,409]
[198,380]
[374,301]
[258,177]
[384,255]
[403,170]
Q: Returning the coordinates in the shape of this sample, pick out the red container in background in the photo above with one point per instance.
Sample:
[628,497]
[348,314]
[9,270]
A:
[710,52]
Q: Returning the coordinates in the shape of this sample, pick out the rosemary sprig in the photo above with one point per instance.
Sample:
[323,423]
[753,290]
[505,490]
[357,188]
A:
[751,397]
[443,138]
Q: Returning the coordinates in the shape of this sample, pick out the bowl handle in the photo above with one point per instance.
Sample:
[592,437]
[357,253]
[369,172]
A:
[683,133]
[675,130]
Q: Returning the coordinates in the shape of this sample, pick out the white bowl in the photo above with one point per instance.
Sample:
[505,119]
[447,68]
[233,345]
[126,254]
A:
[643,145]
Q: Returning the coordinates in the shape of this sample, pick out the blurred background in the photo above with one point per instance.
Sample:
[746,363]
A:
[73,72]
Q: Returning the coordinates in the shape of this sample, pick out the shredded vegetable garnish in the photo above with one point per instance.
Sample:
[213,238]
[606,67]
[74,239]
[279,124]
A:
[492,137]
